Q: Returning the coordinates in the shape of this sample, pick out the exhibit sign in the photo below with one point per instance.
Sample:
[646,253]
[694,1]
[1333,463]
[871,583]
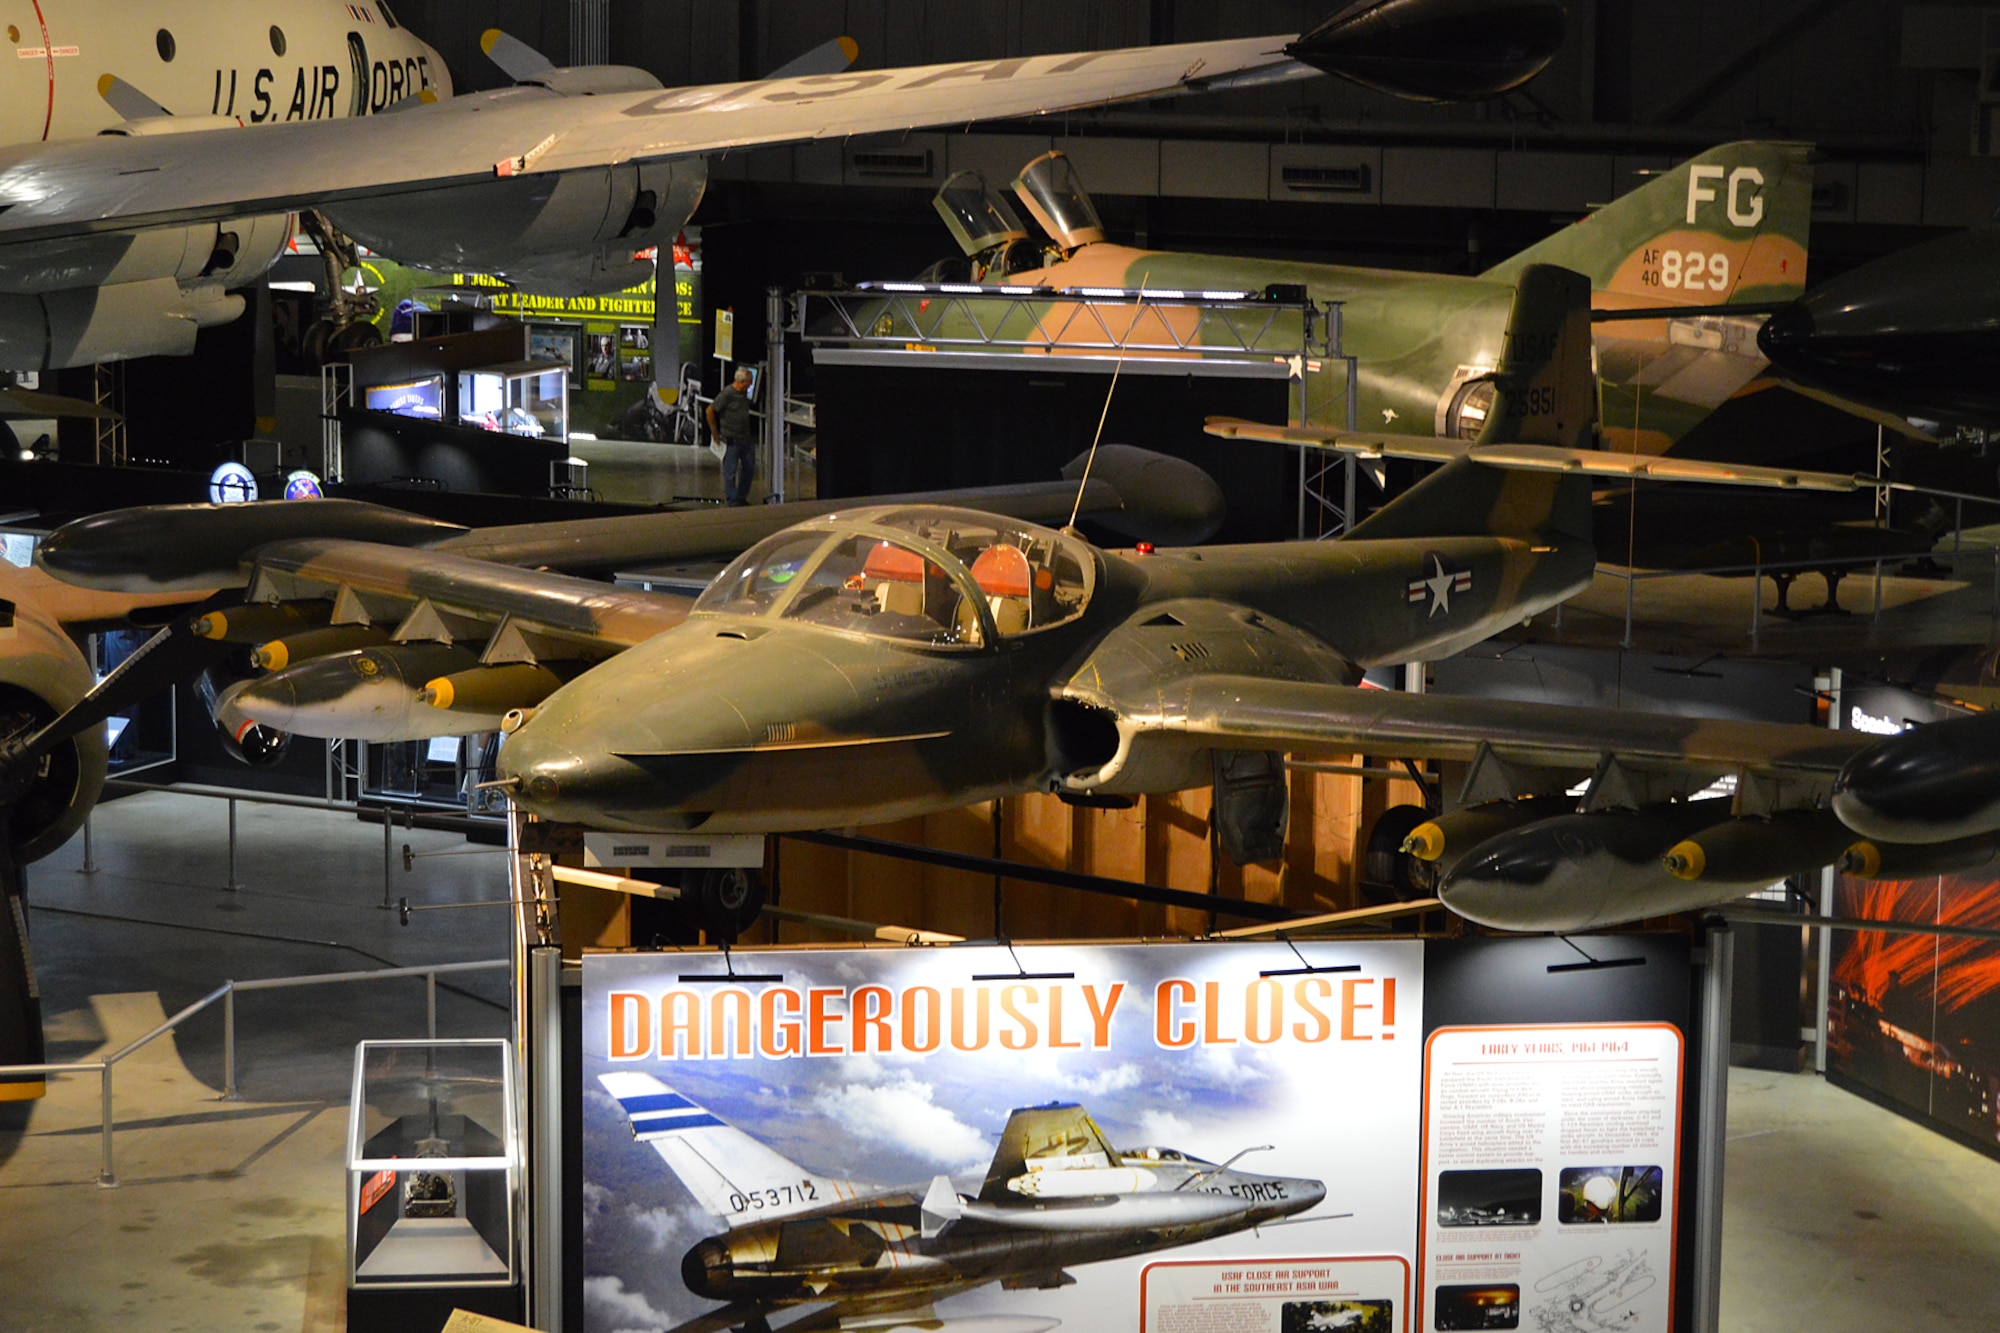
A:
[1180,1138]
[1551,1164]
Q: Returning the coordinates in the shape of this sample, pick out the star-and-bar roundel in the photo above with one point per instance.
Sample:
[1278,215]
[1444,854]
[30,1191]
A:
[1436,585]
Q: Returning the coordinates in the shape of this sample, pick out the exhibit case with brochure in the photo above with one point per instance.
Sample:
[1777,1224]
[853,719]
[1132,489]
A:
[433,1165]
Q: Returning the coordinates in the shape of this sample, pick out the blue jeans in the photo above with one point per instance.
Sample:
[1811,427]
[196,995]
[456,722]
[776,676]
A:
[739,468]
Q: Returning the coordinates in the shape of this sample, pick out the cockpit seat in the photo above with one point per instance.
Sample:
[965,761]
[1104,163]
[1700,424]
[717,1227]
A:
[899,579]
[1006,580]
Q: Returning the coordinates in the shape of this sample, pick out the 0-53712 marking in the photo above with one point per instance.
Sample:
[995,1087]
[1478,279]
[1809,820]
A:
[776,1197]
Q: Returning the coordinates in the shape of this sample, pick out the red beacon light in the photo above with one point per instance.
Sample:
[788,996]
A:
[1144,548]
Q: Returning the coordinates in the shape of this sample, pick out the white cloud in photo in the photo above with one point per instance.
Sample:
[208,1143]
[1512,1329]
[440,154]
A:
[1163,1129]
[596,1203]
[903,1113]
[608,1305]
[672,1227]
[1118,1078]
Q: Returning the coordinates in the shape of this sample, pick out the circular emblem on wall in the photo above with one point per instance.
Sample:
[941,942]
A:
[231,483]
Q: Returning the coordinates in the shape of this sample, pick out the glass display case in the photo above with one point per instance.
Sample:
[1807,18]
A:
[440,772]
[142,736]
[531,398]
[422,398]
[432,1165]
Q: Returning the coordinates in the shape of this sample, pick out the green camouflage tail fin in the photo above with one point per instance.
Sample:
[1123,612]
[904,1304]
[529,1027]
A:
[1543,393]
[1728,227]
[1724,228]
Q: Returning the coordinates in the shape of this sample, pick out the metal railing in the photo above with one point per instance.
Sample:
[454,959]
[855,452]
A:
[1284,334]
[107,1175]
[232,795]
[1206,326]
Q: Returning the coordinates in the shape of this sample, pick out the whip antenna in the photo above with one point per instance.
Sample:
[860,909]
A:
[1104,415]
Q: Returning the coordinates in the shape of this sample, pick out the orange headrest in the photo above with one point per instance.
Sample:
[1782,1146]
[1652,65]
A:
[894,564]
[1001,571]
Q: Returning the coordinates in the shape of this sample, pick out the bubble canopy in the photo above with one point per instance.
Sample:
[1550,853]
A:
[931,576]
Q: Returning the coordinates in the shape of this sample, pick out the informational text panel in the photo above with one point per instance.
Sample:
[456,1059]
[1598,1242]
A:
[1550,1178]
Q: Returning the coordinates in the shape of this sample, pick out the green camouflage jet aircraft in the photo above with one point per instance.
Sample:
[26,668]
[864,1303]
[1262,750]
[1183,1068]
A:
[917,656]
[1725,228]
[895,660]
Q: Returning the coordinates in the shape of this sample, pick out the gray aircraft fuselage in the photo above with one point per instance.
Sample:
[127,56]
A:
[838,1254]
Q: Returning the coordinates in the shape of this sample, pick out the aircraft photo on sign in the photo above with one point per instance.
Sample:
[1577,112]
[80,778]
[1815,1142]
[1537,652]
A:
[1092,1137]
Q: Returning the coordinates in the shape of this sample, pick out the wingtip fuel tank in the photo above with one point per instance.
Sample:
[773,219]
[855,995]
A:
[1933,783]
[1436,50]
[194,548]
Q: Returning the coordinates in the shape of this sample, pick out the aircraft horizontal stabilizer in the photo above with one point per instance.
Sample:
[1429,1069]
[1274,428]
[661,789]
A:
[941,1207]
[28,404]
[729,1173]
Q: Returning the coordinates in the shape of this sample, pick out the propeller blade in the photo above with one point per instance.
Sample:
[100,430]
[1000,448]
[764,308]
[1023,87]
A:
[516,59]
[20,1000]
[827,58]
[127,101]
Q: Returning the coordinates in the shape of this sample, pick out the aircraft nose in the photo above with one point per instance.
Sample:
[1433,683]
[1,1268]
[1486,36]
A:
[543,767]
[1307,1194]
[1788,332]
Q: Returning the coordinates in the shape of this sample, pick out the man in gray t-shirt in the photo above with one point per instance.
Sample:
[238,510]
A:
[729,421]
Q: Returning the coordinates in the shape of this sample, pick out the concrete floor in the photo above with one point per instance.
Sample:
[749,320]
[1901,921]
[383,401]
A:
[1839,1216]
[638,473]
[227,1214]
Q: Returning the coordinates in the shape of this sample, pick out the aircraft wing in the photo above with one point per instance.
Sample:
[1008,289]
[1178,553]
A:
[117,182]
[158,548]
[1057,1136]
[1538,457]
[1159,716]
[446,598]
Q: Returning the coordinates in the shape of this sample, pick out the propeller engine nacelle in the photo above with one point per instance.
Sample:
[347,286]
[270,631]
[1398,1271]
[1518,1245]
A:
[116,295]
[42,673]
[568,233]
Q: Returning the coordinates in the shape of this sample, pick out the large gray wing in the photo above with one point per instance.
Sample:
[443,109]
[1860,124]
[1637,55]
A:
[1168,722]
[116,182]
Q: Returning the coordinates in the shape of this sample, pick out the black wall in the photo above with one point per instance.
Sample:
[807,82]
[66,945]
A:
[883,430]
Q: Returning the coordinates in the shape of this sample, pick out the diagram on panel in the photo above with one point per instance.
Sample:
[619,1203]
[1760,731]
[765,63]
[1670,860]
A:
[1594,1295]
